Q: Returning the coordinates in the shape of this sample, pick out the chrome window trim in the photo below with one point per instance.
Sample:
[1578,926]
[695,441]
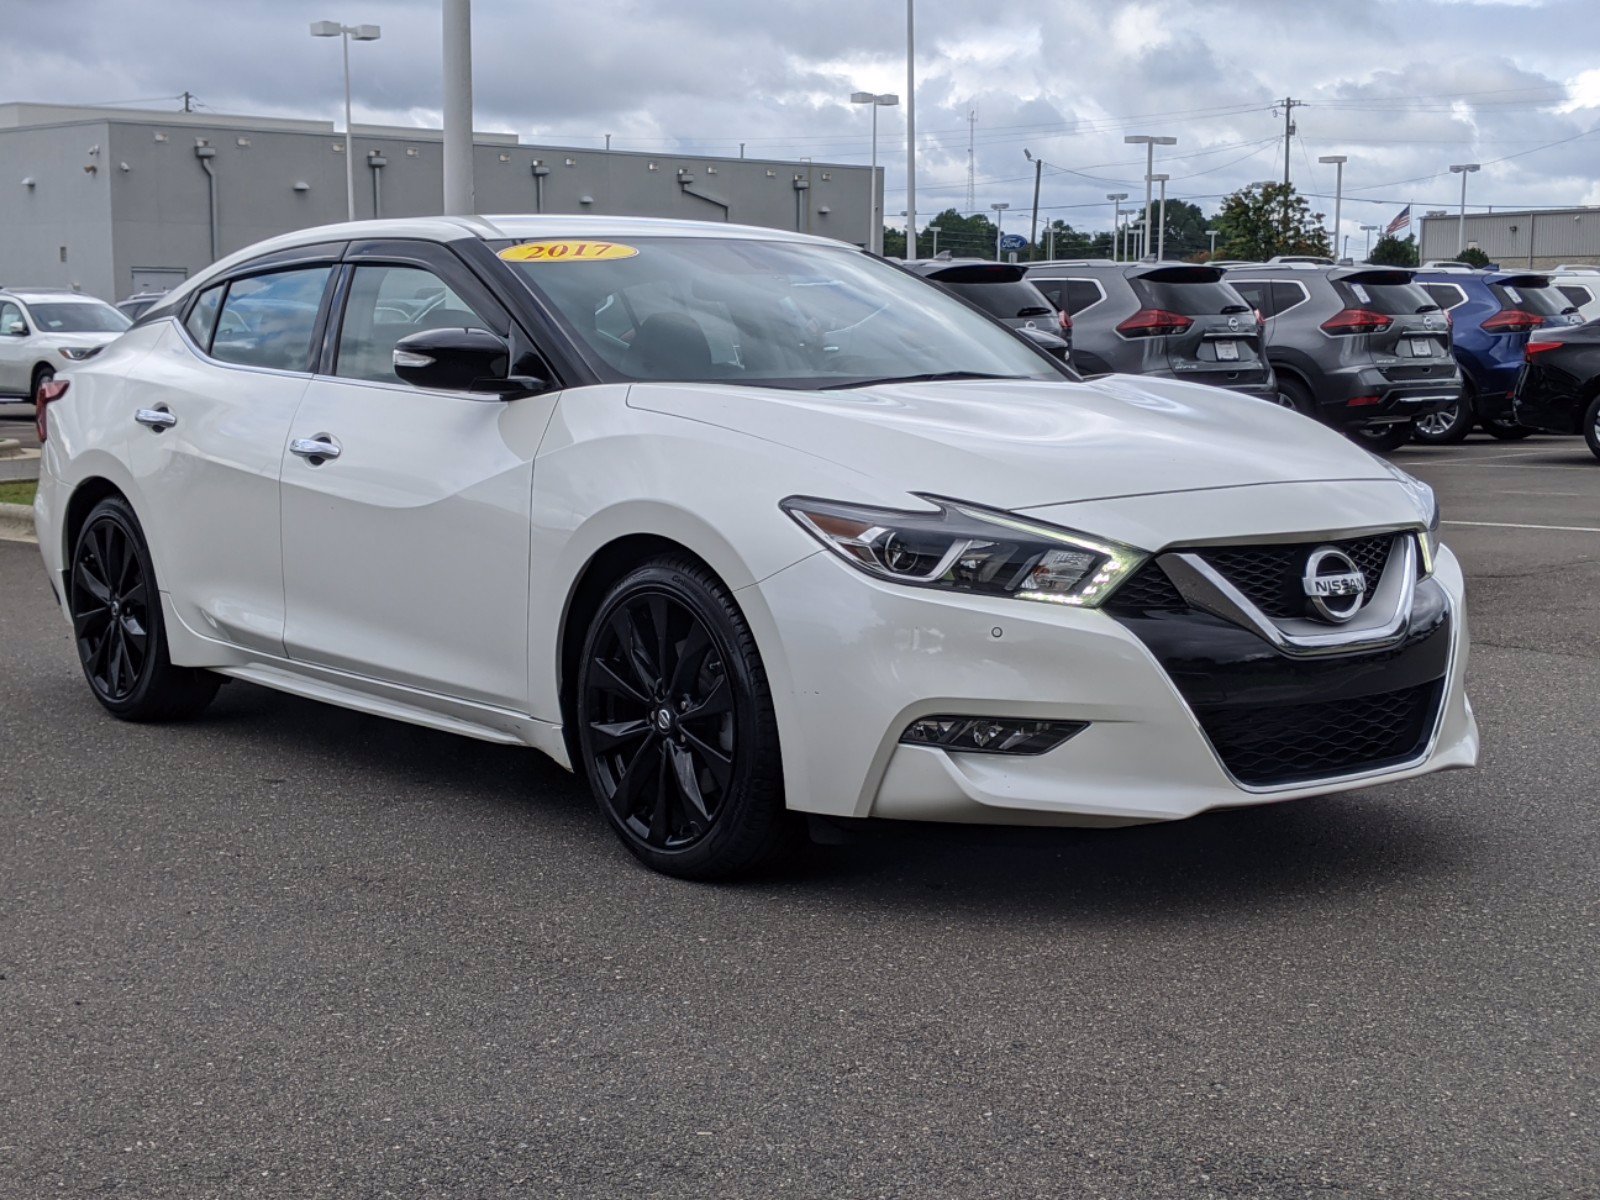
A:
[1305,296]
[1098,287]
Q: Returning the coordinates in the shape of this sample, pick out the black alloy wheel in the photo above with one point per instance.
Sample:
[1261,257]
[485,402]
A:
[117,623]
[1591,427]
[676,729]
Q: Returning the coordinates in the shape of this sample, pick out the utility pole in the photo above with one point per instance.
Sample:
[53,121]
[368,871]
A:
[188,101]
[1033,230]
[1289,105]
[972,162]
[911,129]
[459,198]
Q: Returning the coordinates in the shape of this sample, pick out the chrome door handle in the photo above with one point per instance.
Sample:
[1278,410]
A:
[315,449]
[155,418]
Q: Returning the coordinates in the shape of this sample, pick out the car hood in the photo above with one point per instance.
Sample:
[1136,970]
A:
[1025,443]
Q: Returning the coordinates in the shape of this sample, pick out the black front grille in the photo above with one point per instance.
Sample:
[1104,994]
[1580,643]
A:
[1147,590]
[1271,575]
[1280,744]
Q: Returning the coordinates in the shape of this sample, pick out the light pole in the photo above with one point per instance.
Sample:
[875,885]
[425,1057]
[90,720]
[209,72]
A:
[1463,170]
[874,217]
[1338,161]
[1149,142]
[455,44]
[1116,199]
[911,129]
[1161,228]
[361,33]
[936,231]
[1368,230]
[1033,230]
[999,211]
[1212,234]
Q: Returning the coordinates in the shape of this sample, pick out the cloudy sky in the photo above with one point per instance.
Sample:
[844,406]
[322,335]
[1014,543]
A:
[1404,87]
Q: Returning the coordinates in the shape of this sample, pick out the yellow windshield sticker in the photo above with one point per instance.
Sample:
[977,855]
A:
[567,251]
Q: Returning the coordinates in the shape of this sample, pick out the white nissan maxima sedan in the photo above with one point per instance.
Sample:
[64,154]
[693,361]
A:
[740,524]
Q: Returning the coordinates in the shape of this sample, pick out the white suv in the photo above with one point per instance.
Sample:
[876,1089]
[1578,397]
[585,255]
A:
[43,331]
[741,524]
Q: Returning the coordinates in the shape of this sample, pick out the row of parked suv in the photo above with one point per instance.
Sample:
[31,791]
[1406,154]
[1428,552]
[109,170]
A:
[1381,353]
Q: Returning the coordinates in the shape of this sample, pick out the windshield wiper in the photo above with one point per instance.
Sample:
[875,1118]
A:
[930,377]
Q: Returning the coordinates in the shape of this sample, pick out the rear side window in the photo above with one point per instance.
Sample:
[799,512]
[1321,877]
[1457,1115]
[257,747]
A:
[1394,299]
[1191,299]
[267,320]
[1445,295]
[1004,300]
[202,317]
[1257,294]
[1578,296]
[1286,295]
[1545,301]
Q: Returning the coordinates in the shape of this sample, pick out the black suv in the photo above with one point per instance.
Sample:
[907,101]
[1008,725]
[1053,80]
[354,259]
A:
[1001,290]
[1168,319]
[1363,349]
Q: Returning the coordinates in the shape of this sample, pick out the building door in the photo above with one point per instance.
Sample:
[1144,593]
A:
[157,279]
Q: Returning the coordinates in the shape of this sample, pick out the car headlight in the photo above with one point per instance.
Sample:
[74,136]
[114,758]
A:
[1427,508]
[79,353]
[964,548]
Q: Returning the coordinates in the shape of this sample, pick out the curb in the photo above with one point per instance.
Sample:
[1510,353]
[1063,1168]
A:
[16,523]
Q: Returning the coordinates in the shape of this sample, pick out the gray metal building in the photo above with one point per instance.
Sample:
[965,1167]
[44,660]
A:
[1538,238]
[113,201]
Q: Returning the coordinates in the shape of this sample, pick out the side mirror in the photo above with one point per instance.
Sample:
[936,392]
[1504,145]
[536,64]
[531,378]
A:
[14,330]
[461,360]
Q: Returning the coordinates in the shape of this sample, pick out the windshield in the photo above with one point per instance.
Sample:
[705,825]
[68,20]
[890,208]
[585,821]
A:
[1197,299]
[1541,299]
[78,316]
[776,314]
[1392,299]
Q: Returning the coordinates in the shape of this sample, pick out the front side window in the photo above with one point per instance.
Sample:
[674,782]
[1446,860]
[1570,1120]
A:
[78,316]
[11,321]
[388,303]
[268,320]
[771,313]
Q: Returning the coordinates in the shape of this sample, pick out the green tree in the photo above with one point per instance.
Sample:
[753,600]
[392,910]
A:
[1258,222]
[1473,256]
[1394,252]
[963,237]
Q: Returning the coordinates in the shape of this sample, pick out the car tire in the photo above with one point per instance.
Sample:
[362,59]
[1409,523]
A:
[41,376]
[1591,426]
[1382,439]
[1506,430]
[1296,395]
[1448,426]
[117,624]
[676,729]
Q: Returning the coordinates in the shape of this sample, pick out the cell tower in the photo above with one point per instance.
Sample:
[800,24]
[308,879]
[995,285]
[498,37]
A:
[972,172]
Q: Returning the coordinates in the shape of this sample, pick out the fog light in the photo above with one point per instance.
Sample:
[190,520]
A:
[990,735]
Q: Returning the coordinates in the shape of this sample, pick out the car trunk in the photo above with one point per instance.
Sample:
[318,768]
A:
[1403,322]
[1214,338]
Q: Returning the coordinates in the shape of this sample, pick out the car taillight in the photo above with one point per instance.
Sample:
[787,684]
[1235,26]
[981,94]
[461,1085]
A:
[1533,348]
[1153,322]
[1064,320]
[1356,320]
[48,393]
[1512,320]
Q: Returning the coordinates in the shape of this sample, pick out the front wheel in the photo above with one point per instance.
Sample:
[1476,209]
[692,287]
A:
[1381,439]
[676,728]
[41,376]
[117,623]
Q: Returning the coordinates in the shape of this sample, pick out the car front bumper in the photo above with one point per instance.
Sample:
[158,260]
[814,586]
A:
[860,660]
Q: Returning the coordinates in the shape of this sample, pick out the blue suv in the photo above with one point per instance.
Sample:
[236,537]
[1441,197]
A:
[1491,315]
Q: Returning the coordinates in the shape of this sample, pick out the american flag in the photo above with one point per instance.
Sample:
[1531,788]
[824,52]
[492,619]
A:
[1399,223]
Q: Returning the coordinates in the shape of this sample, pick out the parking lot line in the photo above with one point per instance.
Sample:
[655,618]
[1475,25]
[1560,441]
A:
[1513,525]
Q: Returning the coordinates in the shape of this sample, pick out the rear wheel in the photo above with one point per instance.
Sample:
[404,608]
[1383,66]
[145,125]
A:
[676,728]
[1447,426]
[117,623]
[1381,439]
[1294,394]
[1591,426]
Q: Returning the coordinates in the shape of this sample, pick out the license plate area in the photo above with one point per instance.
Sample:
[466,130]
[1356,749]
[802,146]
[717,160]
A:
[1227,351]
[1421,347]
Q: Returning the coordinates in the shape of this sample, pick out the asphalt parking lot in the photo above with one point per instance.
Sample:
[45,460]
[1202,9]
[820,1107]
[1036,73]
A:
[292,951]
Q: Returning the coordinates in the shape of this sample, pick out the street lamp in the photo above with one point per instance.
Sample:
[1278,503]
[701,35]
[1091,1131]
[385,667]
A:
[1338,161]
[1368,230]
[1149,142]
[1212,234]
[361,33]
[1161,229]
[874,217]
[1116,199]
[999,209]
[936,231]
[1463,170]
